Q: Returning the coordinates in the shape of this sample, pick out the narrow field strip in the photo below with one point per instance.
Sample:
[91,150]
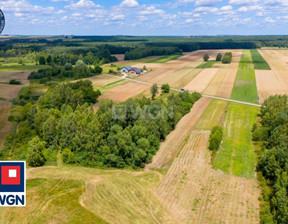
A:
[259,61]
[208,64]
[174,140]
[216,82]
[236,154]
[201,81]
[213,115]
[245,83]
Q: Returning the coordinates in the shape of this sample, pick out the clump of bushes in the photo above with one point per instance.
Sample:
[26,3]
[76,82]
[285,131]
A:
[215,138]
[165,88]
[227,58]
[14,82]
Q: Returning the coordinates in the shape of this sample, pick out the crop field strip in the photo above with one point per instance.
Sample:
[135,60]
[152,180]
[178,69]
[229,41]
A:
[236,154]
[193,190]
[245,83]
[258,61]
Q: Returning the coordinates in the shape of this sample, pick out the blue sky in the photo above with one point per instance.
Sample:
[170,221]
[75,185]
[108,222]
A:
[145,17]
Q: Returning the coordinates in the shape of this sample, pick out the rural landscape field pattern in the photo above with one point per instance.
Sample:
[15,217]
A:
[184,183]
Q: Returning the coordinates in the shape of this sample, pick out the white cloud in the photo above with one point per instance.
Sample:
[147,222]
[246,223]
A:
[226,8]
[129,3]
[242,2]
[82,4]
[251,8]
[151,10]
[207,9]
[269,20]
[207,2]
[117,17]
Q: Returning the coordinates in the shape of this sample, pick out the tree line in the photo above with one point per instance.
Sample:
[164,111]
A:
[272,134]
[142,52]
[80,70]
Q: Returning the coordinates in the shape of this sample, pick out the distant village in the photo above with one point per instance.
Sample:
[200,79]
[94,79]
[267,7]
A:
[129,70]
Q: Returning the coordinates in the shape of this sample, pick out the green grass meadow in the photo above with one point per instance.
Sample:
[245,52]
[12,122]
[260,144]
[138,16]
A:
[259,61]
[208,64]
[245,88]
[236,154]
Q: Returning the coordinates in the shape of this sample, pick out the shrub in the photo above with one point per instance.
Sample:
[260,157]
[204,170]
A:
[206,57]
[35,152]
[165,88]
[215,138]
[14,82]
[68,156]
[219,57]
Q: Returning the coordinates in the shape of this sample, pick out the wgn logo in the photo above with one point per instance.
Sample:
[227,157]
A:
[12,184]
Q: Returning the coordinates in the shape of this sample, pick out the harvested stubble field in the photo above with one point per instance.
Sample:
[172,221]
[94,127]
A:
[275,60]
[124,91]
[175,139]
[270,83]
[201,81]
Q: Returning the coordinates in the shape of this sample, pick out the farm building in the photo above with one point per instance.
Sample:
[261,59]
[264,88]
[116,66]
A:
[131,70]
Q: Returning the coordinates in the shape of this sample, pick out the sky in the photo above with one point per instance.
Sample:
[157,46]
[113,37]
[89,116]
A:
[145,17]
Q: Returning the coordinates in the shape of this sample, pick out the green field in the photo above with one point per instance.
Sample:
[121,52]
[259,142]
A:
[259,61]
[51,201]
[236,154]
[208,64]
[163,59]
[213,115]
[245,88]
[21,67]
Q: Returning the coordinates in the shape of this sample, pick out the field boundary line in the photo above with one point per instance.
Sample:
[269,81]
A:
[179,90]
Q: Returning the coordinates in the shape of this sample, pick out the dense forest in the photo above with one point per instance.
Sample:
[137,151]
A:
[138,53]
[118,135]
[272,166]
